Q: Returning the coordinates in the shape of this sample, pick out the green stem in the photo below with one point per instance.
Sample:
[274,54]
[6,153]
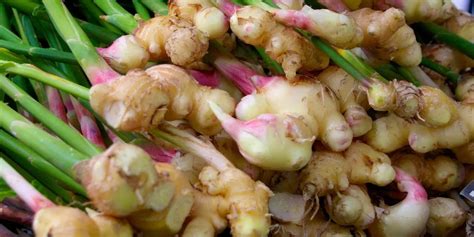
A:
[455,41]
[117,15]
[388,71]
[19,26]
[4,21]
[141,10]
[450,75]
[157,6]
[51,148]
[96,68]
[271,64]
[68,134]
[408,76]
[34,73]
[91,8]
[6,34]
[35,164]
[49,53]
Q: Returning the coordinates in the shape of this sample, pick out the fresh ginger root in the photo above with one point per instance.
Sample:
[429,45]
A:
[317,226]
[248,200]
[140,100]
[295,53]
[110,226]
[202,13]
[110,181]
[387,36]
[346,89]
[60,221]
[445,216]
[440,173]
[208,216]
[329,172]
[419,10]
[170,220]
[351,207]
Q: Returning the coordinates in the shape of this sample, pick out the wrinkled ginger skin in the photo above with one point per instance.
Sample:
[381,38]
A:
[325,173]
[63,221]
[347,90]
[110,180]
[317,226]
[256,26]
[368,165]
[140,100]
[445,216]
[170,220]
[440,173]
[387,36]
[169,38]
[248,200]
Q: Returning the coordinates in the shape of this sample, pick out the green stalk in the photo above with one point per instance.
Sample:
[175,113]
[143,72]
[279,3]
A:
[117,15]
[388,71]
[455,41]
[68,134]
[48,53]
[20,28]
[6,34]
[32,180]
[408,76]
[141,10]
[34,73]
[35,164]
[96,13]
[157,6]
[444,71]
[95,67]
[51,148]
[4,16]
[271,64]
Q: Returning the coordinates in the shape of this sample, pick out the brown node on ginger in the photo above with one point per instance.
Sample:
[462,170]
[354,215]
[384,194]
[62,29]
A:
[408,100]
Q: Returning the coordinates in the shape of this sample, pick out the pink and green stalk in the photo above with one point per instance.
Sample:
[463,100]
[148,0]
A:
[70,112]
[55,103]
[206,78]
[34,199]
[227,7]
[95,67]
[237,72]
[89,127]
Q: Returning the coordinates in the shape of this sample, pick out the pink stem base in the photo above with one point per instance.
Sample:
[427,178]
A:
[89,127]
[55,103]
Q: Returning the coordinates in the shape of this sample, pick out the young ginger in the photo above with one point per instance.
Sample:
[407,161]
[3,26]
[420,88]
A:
[329,172]
[140,100]
[387,36]
[445,216]
[255,26]
[419,10]
[350,96]
[170,220]
[317,226]
[440,173]
[60,221]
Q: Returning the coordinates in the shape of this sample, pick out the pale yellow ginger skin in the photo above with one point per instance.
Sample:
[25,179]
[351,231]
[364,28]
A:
[326,172]
[110,226]
[349,94]
[208,215]
[368,165]
[445,216]
[202,13]
[248,200]
[392,132]
[141,100]
[63,221]
[317,226]
[110,181]
[190,166]
[255,26]
[440,173]
[168,38]
[447,57]
[437,108]
[427,10]
[351,207]
[387,36]
[308,100]
[125,54]
[170,220]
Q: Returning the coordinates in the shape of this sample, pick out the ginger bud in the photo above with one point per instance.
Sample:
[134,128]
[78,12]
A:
[125,54]
[212,22]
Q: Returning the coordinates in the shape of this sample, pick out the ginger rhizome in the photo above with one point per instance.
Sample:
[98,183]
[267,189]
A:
[170,220]
[445,216]
[408,217]
[353,100]
[419,10]
[329,172]
[257,27]
[64,221]
[111,178]
[351,207]
[440,173]
[387,36]
[162,38]
[140,100]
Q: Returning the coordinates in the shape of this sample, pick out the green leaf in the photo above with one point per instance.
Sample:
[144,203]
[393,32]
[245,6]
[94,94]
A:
[5,190]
